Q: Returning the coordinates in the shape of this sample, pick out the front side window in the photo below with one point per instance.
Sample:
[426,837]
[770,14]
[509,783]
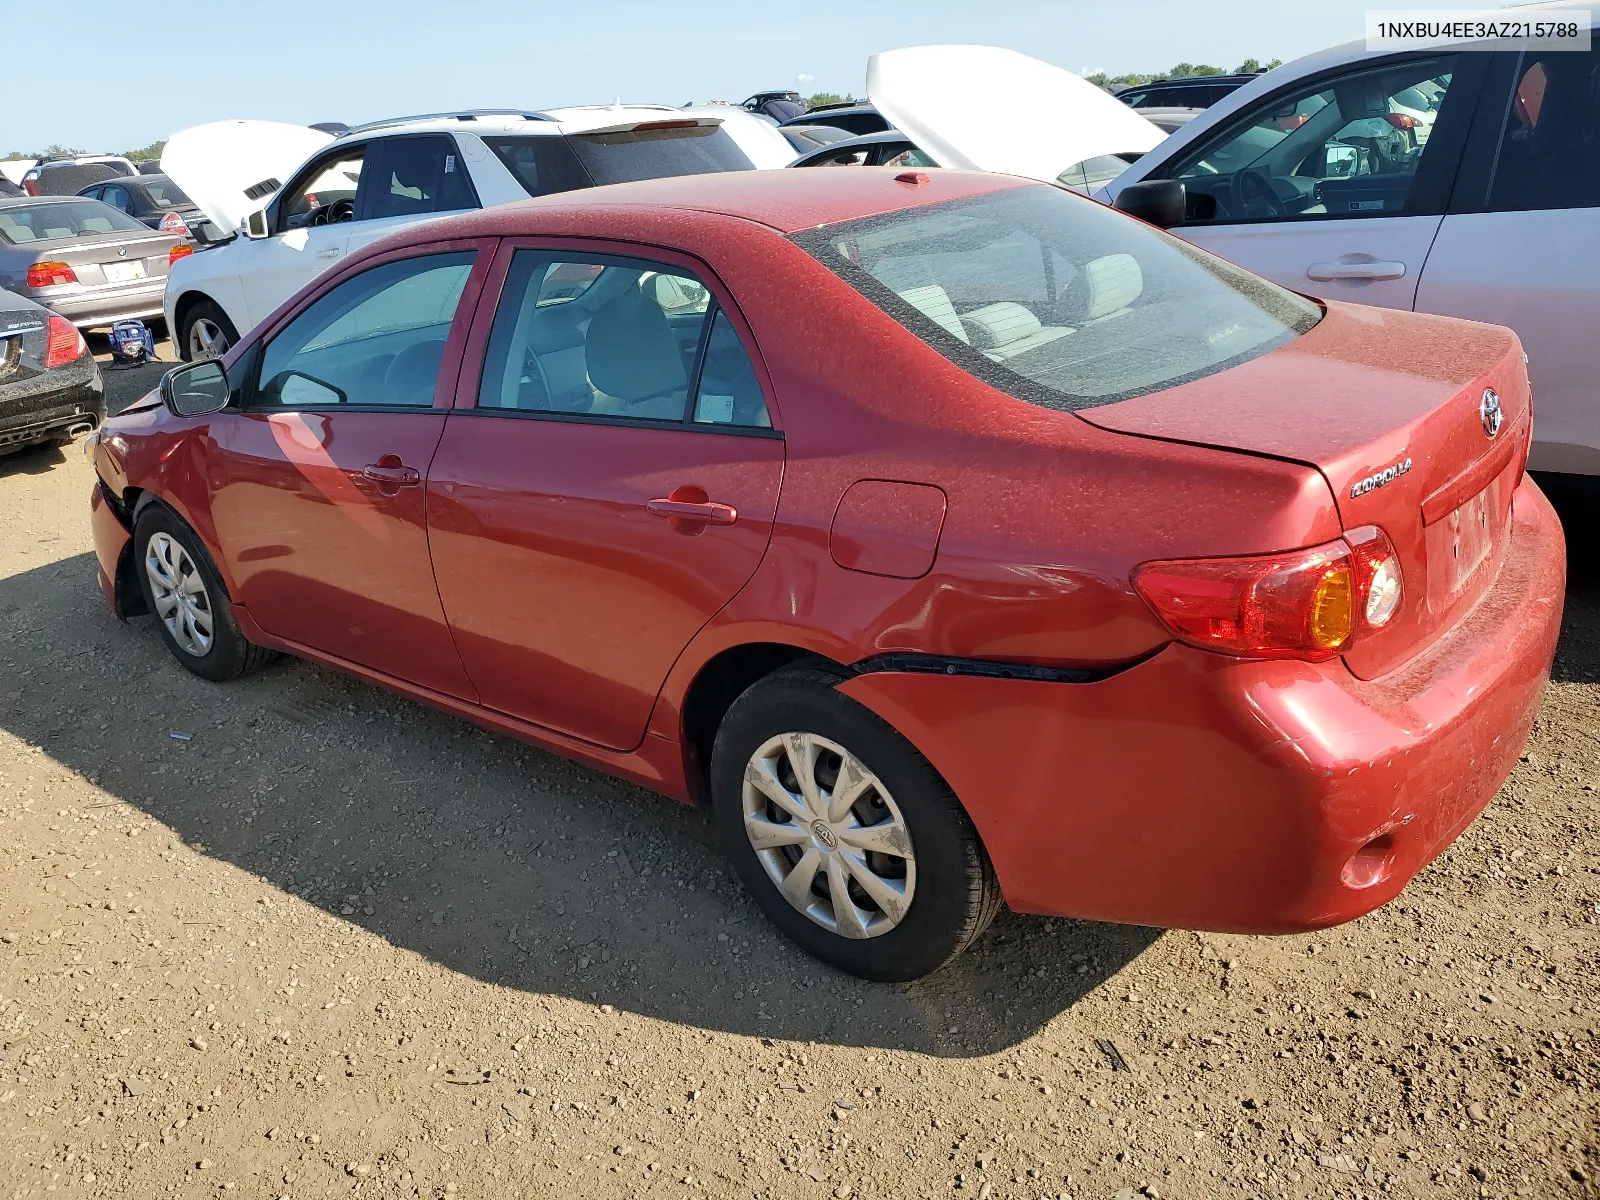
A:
[1058,300]
[21,223]
[1549,154]
[616,337]
[658,150]
[326,195]
[1349,147]
[414,176]
[374,341]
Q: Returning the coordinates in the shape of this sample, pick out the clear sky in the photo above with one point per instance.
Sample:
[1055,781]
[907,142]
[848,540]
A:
[126,75]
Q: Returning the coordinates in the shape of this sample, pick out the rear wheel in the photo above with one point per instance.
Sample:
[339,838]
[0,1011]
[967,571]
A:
[182,588]
[205,332]
[846,836]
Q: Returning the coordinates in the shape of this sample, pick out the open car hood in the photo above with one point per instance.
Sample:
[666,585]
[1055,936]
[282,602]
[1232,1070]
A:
[990,109]
[231,168]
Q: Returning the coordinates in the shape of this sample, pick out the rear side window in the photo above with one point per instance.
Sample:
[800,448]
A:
[414,176]
[21,223]
[542,165]
[1549,153]
[1058,300]
[375,340]
[616,337]
[656,153]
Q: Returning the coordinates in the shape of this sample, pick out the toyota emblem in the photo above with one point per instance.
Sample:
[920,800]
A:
[1489,412]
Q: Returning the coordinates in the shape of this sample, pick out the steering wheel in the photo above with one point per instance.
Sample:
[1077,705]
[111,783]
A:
[332,214]
[1256,196]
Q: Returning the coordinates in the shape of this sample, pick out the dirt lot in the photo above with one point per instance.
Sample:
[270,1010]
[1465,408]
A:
[335,942]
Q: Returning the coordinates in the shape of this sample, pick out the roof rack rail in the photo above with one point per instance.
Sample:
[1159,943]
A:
[457,114]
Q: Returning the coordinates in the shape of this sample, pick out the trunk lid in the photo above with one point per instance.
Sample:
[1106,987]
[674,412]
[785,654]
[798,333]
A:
[1389,406]
[23,339]
[106,259]
[990,109]
[232,168]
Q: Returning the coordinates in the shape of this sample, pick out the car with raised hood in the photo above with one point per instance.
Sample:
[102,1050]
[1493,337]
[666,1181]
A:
[87,261]
[992,109]
[301,199]
[1453,181]
[1083,571]
[50,385]
[157,201]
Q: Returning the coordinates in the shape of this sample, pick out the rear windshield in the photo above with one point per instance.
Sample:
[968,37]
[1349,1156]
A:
[657,153]
[1059,300]
[22,223]
[165,193]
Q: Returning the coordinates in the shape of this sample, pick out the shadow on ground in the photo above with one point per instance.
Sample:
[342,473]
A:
[1577,500]
[489,857]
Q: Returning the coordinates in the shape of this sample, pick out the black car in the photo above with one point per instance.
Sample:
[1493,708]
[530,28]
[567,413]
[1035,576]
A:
[7,188]
[889,148]
[50,385]
[856,118]
[1183,91]
[158,202]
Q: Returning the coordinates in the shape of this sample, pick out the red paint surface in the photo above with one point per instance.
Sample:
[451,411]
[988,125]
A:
[1188,789]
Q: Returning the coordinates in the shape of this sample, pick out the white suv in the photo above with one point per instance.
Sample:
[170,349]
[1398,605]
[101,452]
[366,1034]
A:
[348,191]
[1446,181]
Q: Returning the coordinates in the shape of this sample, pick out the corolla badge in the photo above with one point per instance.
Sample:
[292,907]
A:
[1489,412]
[1378,478]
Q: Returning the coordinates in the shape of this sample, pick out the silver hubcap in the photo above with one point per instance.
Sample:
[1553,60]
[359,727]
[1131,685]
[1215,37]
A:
[206,340]
[180,594]
[829,835]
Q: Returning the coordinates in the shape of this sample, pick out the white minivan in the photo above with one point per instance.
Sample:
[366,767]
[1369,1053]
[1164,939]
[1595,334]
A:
[1462,182]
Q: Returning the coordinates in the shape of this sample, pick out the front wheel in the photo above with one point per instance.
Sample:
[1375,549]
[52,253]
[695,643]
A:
[182,588]
[205,332]
[846,836]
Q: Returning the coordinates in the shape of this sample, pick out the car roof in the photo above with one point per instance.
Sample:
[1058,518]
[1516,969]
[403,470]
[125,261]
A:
[17,201]
[833,110]
[786,201]
[491,121]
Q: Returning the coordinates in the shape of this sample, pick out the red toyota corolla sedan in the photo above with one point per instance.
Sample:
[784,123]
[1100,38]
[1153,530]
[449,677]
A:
[954,537]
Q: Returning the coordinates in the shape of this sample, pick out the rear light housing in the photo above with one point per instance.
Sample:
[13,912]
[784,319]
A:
[49,274]
[1311,604]
[65,343]
[1402,120]
[181,250]
[172,223]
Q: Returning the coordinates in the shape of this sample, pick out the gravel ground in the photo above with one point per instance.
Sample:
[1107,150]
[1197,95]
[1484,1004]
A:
[331,941]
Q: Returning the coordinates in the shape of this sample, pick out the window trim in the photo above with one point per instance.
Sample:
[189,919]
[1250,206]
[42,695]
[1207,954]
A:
[475,353]
[379,147]
[1436,175]
[444,389]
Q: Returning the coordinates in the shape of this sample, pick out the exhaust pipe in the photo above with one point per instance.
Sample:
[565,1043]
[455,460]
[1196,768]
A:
[80,428]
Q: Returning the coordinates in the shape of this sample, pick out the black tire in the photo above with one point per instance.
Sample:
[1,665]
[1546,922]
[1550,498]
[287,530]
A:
[198,312]
[228,654]
[955,893]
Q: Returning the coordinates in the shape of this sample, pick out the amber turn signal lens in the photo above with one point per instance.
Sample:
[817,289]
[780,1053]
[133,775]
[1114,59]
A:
[1333,612]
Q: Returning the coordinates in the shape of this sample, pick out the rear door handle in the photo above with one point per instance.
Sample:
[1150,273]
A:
[1325,271]
[393,476]
[706,512]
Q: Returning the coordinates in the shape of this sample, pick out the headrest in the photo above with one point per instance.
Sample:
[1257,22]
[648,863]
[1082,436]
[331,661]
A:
[413,374]
[996,325]
[1114,282]
[933,302]
[630,351]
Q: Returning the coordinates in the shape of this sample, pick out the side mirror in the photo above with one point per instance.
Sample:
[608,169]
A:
[1339,162]
[1158,201]
[255,225]
[196,389]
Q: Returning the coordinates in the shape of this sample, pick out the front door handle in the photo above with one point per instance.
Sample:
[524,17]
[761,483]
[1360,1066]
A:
[391,474]
[1324,271]
[329,252]
[696,511]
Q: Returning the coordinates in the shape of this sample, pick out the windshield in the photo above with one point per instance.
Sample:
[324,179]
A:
[1059,300]
[21,223]
[657,153]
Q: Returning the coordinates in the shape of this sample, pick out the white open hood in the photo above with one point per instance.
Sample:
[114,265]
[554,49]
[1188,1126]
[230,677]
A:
[223,165]
[990,109]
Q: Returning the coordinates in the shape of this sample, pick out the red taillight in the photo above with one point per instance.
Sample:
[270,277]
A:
[31,186]
[66,344]
[1401,120]
[1308,604]
[173,223]
[181,250]
[48,274]
[649,125]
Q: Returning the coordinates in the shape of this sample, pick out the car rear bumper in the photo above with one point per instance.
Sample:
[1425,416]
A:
[1204,792]
[112,540]
[51,404]
[104,306]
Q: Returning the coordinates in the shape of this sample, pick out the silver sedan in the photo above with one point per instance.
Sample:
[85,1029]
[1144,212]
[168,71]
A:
[84,260]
